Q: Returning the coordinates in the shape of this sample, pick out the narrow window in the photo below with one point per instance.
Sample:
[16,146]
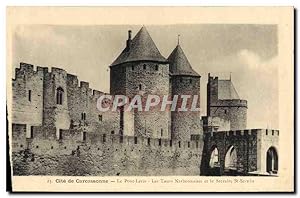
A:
[171,143]
[156,67]
[132,68]
[179,144]
[59,95]
[144,66]
[161,132]
[225,111]
[148,141]
[189,145]
[31,132]
[83,116]
[100,118]
[104,138]
[272,132]
[140,86]
[84,136]
[29,95]
[60,134]
[159,142]
[135,140]
[266,132]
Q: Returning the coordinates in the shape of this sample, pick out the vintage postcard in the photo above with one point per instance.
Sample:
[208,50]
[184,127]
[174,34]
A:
[151,99]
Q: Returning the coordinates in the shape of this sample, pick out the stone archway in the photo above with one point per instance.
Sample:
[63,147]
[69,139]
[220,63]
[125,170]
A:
[272,160]
[231,159]
[214,158]
[213,166]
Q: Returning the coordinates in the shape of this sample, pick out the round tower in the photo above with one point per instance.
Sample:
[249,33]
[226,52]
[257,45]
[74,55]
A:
[184,81]
[141,70]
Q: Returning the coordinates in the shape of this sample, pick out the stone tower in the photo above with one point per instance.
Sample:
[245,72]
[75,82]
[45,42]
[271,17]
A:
[224,102]
[184,81]
[56,113]
[140,69]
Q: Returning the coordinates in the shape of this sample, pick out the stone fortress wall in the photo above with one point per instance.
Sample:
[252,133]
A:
[55,139]
[35,102]
[58,130]
[79,153]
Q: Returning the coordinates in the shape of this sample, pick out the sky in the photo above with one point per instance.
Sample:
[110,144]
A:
[249,52]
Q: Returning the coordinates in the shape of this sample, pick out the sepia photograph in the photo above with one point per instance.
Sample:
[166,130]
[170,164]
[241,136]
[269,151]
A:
[150,104]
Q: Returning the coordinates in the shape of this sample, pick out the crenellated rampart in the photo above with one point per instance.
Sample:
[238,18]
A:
[101,154]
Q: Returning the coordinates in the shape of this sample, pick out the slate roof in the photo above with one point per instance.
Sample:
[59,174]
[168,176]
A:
[179,64]
[226,90]
[142,48]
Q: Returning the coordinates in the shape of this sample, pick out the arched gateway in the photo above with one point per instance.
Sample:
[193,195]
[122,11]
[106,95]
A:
[272,160]
[241,152]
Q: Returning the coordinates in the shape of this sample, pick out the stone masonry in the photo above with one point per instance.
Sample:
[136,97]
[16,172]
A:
[57,128]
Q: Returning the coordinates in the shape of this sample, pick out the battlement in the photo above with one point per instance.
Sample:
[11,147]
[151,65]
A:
[212,78]
[229,103]
[101,154]
[56,70]
[249,132]
[84,85]
[269,132]
[97,93]
[39,133]
[42,69]
[72,80]
[26,69]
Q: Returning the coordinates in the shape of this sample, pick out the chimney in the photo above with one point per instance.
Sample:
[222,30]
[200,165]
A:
[129,34]
[128,43]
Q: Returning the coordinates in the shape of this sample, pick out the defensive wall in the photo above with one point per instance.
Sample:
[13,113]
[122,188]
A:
[34,101]
[251,149]
[98,154]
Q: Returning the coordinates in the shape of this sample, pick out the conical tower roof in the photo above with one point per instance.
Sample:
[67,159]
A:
[140,48]
[179,64]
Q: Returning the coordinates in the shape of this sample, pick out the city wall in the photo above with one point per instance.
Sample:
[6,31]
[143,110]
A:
[78,153]
[34,101]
